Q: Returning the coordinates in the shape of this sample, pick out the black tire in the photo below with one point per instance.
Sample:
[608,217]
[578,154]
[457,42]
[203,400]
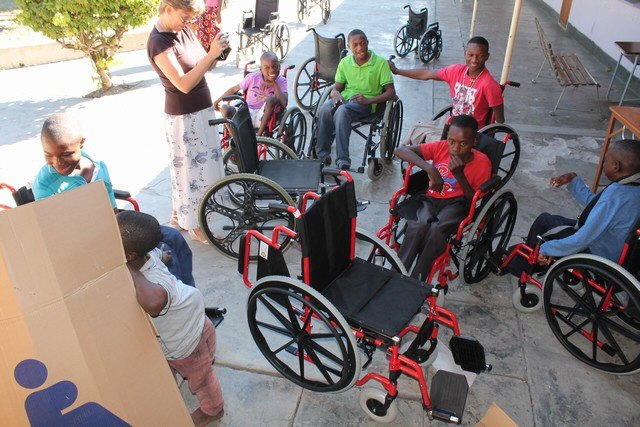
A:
[284,316]
[511,154]
[280,40]
[238,203]
[593,308]
[393,132]
[375,169]
[403,44]
[489,235]
[307,87]
[292,131]
[326,11]
[324,95]
[428,46]
[302,10]
[370,248]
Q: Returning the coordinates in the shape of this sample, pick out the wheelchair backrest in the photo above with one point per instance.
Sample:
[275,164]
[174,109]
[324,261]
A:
[631,261]
[417,23]
[328,51]
[493,148]
[245,140]
[264,9]
[325,232]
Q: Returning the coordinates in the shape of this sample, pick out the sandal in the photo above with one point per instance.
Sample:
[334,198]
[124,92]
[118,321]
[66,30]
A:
[196,234]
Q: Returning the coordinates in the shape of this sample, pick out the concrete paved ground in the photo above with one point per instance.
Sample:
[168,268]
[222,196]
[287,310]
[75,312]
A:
[534,379]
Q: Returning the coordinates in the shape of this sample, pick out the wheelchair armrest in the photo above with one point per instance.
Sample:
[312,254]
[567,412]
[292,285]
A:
[216,122]
[233,98]
[121,194]
[491,184]
[274,16]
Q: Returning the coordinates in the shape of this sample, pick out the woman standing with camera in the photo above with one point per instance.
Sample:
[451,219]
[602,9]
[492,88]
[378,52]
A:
[195,159]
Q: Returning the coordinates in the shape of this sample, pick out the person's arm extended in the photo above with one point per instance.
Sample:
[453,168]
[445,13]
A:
[230,91]
[170,67]
[151,296]
[415,73]
[498,113]
[413,154]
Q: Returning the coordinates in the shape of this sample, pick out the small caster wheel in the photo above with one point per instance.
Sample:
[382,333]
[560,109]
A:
[371,402]
[375,169]
[530,302]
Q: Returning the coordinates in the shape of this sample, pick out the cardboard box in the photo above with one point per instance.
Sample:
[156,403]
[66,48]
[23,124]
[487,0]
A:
[74,343]
[496,417]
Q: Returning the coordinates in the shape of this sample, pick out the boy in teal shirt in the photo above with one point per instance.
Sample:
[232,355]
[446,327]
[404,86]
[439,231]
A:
[363,80]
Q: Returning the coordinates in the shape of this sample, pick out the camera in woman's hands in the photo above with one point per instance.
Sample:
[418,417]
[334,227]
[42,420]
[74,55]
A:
[225,53]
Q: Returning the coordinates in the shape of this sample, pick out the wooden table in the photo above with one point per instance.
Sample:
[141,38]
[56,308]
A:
[630,49]
[629,118]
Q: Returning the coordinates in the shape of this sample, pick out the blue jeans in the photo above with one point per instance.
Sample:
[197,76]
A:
[340,123]
[181,261]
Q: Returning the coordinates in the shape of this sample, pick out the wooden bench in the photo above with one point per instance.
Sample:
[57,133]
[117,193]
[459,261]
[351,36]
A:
[568,68]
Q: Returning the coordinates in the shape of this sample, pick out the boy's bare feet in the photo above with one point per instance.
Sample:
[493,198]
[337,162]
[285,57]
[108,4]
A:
[200,419]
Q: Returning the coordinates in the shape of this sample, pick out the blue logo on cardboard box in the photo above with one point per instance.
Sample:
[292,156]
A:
[44,407]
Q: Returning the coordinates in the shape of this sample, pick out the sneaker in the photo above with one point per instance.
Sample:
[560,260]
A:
[343,165]
[327,160]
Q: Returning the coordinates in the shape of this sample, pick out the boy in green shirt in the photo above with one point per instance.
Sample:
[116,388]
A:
[363,80]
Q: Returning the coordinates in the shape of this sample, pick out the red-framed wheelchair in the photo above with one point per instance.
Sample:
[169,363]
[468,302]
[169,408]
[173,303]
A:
[319,71]
[312,329]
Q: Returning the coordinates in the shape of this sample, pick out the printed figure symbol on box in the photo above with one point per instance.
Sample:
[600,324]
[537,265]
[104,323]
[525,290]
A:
[44,407]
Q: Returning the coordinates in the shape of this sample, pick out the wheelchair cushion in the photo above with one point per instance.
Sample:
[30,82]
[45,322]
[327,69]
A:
[325,229]
[492,148]
[295,176]
[375,298]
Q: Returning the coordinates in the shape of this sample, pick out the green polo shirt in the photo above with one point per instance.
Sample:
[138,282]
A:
[366,79]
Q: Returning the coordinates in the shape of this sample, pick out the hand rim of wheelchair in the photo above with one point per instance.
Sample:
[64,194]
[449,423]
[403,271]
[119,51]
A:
[278,40]
[491,130]
[262,141]
[400,42]
[429,46]
[392,133]
[324,312]
[311,92]
[615,275]
[372,398]
[239,222]
[285,127]
[476,246]
[390,256]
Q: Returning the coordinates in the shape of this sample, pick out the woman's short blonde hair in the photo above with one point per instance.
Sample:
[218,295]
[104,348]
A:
[194,6]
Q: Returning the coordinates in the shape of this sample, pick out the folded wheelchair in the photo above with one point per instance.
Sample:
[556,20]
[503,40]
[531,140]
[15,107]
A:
[264,173]
[319,71]
[491,212]
[263,30]
[306,6]
[287,126]
[382,136]
[313,329]
[416,36]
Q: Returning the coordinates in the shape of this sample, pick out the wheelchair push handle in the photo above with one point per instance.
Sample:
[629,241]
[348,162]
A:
[512,84]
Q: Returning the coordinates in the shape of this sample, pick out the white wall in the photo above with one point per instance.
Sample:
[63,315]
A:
[605,22]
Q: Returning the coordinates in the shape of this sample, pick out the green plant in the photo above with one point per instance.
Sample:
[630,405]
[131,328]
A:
[94,27]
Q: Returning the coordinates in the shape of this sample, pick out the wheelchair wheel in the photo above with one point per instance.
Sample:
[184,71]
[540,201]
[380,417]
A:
[403,44]
[372,399]
[293,131]
[280,40]
[268,149]
[238,203]
[392,133]
[302,10]
[375,168]
[303,335]
[307,90]
[528,301]
[370,248]
[326,11]
[428,47]
[598,324]
[511,153]
[488,236]
[441,113]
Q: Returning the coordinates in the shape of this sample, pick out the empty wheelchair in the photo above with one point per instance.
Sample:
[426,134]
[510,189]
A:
[243,200]
[384,128]
[262,30]
[492,214]
[287,126]
[306,6]
[318,72]
[314,329]
[416,36]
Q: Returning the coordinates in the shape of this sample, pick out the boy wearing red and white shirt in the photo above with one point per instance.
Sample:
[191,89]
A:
[473,89]
[455,170]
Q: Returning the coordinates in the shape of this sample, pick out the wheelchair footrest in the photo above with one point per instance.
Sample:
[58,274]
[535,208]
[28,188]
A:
[468,353]
[448,396]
